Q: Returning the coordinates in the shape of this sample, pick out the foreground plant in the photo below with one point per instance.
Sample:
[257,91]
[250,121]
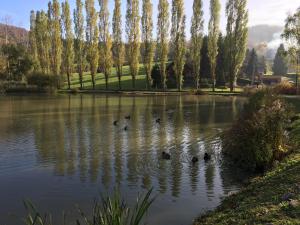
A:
[108,211]
[258,138]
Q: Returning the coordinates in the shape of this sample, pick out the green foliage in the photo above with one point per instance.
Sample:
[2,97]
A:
[133,37]
[79,40]
[236,39]
[15,62]
[118,46]
[280,65]
[213,36]
[111,211]
[252,66]
[147,40]
[196,39]
[163,27]
[178,40]
[258,137]
[42,80]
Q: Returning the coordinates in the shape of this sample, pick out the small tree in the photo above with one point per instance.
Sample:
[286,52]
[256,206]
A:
[280,66]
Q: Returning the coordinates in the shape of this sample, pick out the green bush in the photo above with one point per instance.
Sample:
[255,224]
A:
[258,137]
[43,81]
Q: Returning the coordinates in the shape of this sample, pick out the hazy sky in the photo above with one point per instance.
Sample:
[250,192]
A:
[271,12]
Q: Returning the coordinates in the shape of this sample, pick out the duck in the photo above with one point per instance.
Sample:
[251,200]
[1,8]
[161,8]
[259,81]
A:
[166,156]
[127,117]
[207,156]
[195,159]
[115,122]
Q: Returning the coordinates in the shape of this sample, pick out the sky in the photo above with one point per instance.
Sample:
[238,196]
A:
[271,12]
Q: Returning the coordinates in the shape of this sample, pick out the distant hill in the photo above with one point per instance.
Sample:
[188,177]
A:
[265,39]
[14,34]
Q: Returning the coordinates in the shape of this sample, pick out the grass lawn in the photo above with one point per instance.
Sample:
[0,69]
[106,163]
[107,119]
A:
[126,82]
[265,201]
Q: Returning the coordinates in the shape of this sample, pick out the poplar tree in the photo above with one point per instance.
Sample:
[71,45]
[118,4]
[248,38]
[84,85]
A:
[79,40]
[163,27]
[280,65]
[213,36]
[237,34]
[291,33]
[147,40]
[92,36]
[196,39]
[133,37]
[43,41]
[118,46]
[105,62]
[33,41]
[68,52]
[178,40]
[54,15]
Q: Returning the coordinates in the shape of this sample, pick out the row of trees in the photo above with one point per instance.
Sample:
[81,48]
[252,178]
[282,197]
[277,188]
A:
[56,49]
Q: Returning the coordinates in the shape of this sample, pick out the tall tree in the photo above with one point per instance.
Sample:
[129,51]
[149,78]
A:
[33,41]
[147,40]
[196,39]
[205,65]
[43,40]
[237,34]
[79,40]
[68,53]
[221,62]
[163,27]
[118,46]
[106,61]
[292,34]
[178,40]
[54,15]
[92,36]
[280,65]
[252,67]
[133,37]
[213,36]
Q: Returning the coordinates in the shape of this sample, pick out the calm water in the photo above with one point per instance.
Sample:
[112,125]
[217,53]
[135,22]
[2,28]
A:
[62,151]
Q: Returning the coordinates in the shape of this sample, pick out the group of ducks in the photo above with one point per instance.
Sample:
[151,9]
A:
[165,155]
[207,157]
[116,122]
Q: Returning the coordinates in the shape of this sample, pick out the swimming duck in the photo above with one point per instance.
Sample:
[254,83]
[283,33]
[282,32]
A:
[166,156]
[195,159]
[207,156]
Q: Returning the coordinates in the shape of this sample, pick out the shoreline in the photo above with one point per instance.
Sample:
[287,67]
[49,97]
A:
[273,198]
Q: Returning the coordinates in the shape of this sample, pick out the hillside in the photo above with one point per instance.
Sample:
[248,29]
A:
[14,34]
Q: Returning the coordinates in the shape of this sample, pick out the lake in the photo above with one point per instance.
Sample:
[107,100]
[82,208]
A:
[64,151]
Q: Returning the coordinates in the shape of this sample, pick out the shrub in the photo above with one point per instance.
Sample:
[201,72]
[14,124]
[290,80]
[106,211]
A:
[43,81]
[258,137]
[285,88]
